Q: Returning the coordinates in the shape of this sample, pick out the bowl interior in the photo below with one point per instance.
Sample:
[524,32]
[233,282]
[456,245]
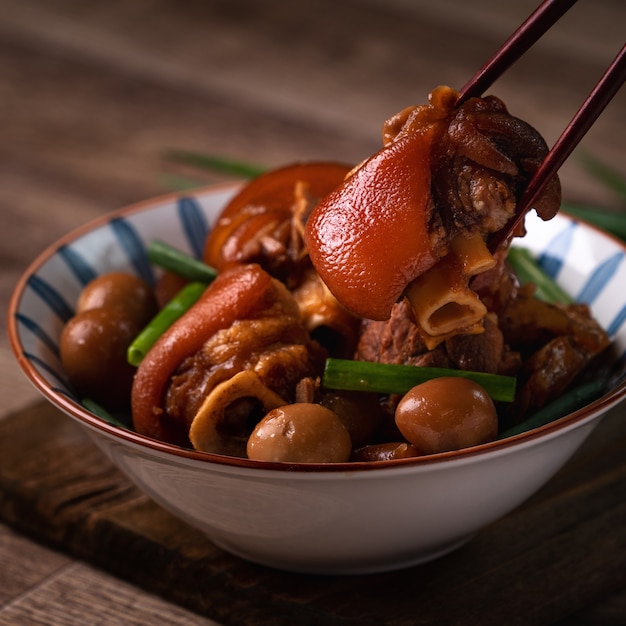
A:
[586,262]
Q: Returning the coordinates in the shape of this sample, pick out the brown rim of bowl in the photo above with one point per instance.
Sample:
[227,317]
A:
[73,409]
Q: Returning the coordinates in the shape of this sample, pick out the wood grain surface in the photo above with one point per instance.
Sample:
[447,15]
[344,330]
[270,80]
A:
[92,97]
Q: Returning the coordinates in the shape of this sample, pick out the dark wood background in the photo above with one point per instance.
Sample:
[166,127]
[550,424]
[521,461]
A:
[93,96]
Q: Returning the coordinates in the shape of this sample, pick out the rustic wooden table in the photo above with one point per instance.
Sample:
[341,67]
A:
[92,96]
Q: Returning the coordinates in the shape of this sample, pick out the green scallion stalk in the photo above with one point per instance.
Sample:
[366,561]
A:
[219,164]
[387,378]
[172,311]
[527,270]
[178,262]
[101,412]
[568,402]
[608,176]
[181,183]
[611,222]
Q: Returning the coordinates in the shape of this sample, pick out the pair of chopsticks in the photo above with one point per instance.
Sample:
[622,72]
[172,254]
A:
[530,31]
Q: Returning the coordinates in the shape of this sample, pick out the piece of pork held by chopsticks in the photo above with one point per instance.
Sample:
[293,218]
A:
[439,204]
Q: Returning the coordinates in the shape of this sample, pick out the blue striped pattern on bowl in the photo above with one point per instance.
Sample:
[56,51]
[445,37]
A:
[120,243]
[585,262]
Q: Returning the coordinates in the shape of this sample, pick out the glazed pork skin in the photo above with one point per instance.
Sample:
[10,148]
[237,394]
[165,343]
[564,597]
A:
[445,173]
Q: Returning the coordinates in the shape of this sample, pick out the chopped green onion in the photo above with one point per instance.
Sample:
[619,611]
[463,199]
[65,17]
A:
[399,379]
[612,222]
[172,311]
[176,261]
[527,270]
[568,402]
[208,162]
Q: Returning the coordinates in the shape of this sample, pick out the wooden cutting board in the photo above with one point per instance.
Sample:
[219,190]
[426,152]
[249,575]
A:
[563,550]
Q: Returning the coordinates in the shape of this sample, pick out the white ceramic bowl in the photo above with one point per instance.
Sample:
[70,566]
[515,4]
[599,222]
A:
[335,519]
